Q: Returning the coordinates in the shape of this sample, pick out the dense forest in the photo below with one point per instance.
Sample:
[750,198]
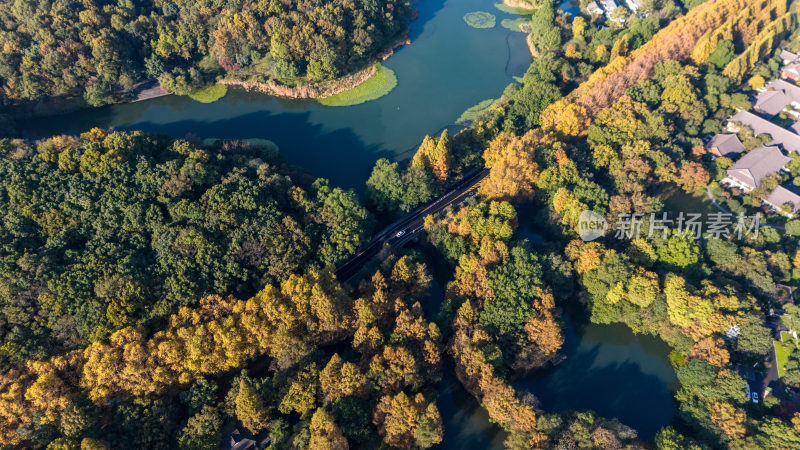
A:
[158,292]
[109,230]
[100,50]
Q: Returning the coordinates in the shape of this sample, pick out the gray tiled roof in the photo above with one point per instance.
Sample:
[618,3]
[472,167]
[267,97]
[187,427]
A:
[778,95]
[792,70]
[726,144]
[772,102]
[780,136]
[781,196]
[609,5]
[762,162]
[796,127]
[788,56]
[790,89]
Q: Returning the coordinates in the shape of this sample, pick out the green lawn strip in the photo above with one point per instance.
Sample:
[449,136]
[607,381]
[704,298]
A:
[480,19]
[474,112]
[209,94]
[375,87]
[781,357]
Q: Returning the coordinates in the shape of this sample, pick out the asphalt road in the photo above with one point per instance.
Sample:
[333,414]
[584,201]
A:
[405,229]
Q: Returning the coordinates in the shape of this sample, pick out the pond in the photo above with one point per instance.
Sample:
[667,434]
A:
[611,371]
[447,68]
[607,369]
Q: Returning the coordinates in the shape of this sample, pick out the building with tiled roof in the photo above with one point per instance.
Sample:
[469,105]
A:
[748,172]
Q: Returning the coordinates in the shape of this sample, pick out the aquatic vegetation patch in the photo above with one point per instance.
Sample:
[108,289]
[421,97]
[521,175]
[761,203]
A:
[473,112]
[375,87]
[209,94]
[480,19]
[521,24]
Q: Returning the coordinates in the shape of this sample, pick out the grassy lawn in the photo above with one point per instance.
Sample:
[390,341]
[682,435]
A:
[480,19]
[782,352]
[375,87]
[209,94]
[676,201]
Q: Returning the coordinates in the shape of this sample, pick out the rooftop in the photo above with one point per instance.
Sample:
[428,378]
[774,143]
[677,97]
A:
[726,144]
[788,56]
[782,196]
[780,136]
[762,162]
[790,89]
[792,70]
[778,94]
[771,103]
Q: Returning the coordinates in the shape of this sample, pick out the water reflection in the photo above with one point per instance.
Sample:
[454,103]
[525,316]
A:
[448,68]
[613,372]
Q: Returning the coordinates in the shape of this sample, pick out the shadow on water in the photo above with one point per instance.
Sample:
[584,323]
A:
[301,142]
[448,68]
[466,423]
[426,11]
[611,371]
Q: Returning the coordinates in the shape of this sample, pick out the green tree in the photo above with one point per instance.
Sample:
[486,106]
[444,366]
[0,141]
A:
[203,430]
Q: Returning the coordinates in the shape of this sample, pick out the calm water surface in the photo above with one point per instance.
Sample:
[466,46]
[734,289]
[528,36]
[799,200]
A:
[613,372]
[607,369]
[448,68]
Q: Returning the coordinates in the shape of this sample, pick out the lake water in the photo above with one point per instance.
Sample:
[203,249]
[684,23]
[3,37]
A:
[607,369]
[447,68]
[611,371]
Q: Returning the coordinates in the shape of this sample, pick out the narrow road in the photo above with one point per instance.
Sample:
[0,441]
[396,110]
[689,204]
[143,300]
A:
[405,229]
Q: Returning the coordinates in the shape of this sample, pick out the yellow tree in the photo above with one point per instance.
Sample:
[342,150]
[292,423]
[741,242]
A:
[513,171]
[729,419]
[340,379]
[325,434]
[250,408]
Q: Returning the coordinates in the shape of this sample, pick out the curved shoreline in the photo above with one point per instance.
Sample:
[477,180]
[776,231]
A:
[327,88]
[519,4]
[321,89]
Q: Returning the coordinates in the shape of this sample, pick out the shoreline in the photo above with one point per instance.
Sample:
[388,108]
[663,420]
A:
[519,4]
[323,88]
[47,107]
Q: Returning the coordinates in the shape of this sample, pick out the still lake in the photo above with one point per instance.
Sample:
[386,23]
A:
[448,68]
